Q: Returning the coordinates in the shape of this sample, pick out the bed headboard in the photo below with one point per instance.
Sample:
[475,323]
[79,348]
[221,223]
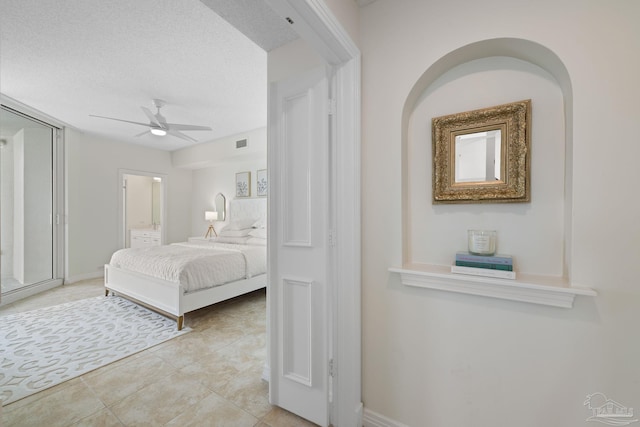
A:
[254,208]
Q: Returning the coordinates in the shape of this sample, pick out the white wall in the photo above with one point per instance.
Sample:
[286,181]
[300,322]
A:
[92,196]
[291,59]
[216,164]
[432,358]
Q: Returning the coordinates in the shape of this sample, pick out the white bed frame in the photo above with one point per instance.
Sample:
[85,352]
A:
[170,298]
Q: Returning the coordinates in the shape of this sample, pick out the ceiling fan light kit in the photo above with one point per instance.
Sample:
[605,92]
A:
[158,124]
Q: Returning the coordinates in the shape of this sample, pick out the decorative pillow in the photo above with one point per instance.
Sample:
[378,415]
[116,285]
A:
[259,224]
[236,240]
[258,232]
[235,233]
[257,241]
[239,224]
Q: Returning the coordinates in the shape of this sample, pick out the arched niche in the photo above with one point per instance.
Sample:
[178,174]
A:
[489,56]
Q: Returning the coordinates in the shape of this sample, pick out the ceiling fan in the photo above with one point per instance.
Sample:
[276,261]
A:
[158,124]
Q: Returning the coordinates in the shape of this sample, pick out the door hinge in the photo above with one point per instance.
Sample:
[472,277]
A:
[332,107]
[332,369]
[332,238]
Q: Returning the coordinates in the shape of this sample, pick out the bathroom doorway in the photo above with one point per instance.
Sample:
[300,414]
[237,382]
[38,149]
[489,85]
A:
[142,208]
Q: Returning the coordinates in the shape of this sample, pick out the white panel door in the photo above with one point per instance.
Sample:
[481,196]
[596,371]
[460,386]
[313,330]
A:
[298,165]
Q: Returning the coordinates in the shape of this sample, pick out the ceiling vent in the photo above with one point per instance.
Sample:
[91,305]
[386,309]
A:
[241,144]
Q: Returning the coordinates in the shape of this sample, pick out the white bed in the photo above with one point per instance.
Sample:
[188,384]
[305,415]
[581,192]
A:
[166,288]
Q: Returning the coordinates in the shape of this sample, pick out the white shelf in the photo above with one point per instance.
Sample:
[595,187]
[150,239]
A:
[553,291]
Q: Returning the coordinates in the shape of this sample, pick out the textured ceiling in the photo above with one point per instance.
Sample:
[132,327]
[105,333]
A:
[73,58]
[256,20]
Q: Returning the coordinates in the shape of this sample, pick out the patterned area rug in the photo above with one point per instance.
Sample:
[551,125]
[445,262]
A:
[44,347]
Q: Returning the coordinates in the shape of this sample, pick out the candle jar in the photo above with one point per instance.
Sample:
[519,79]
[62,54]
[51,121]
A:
[482,242]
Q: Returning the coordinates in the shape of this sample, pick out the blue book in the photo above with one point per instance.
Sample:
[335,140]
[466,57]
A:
[493,259]
[505,267]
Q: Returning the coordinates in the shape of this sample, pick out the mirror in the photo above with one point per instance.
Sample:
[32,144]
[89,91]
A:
[482,156]
[221,202]
[477,157]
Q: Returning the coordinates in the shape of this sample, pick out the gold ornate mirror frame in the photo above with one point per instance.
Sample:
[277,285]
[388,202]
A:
[510,182]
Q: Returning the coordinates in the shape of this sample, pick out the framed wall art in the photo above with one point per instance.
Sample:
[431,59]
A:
[243,184]
[483,156]
[261,182]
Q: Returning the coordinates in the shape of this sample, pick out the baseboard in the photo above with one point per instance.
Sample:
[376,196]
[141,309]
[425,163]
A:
[27,291]
[266,373]
[86,276]
[359,410]
[373,419]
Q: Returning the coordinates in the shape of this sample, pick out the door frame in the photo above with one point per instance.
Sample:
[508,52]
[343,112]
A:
[315,23]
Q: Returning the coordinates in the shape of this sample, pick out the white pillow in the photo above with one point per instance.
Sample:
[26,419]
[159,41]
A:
[235,233]
[257,241]
[236,240]
[239,224]
[258,232]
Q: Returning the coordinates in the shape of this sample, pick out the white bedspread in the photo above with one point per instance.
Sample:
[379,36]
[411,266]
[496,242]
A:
[194,266]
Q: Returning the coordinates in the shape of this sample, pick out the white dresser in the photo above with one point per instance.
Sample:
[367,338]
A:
[141,238]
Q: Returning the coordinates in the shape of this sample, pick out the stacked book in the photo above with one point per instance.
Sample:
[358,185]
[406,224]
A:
[499,266]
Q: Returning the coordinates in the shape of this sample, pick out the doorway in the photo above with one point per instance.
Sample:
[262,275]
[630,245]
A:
[142,208]
[30,180]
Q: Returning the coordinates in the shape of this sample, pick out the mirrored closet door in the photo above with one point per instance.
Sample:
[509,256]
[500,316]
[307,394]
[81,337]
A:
[28,217]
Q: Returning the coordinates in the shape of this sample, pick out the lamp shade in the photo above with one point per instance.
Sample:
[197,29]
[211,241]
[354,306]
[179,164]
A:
[210,215]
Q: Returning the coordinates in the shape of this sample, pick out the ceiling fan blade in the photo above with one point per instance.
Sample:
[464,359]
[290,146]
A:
[142,133]
[181,135]
[120,120]
[177,126]
[152,118]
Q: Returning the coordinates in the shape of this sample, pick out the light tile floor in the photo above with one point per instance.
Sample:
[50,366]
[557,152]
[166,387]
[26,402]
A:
[208,377]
